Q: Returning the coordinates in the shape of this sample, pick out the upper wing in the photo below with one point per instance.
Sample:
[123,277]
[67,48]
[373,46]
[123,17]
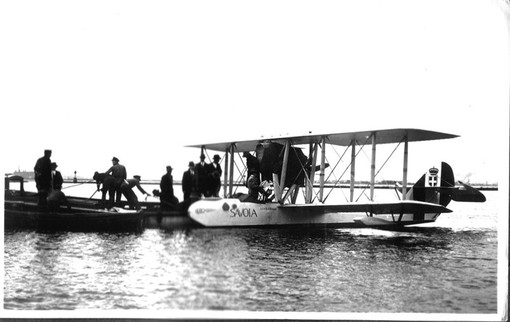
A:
[376,208]
[342,139]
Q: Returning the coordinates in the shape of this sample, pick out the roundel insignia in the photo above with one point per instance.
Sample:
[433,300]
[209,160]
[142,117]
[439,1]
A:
[225,207]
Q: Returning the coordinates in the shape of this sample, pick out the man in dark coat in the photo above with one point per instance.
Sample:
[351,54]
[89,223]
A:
[57,177]
[202,170]
[56,196]
[119,172]
[108,185]
[252,163]
[214,177]
[189,182]
[43,180]
[167,198]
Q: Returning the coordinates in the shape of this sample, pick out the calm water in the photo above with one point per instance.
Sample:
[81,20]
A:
[446,267]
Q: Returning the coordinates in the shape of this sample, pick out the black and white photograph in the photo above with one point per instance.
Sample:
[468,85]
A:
[220,159]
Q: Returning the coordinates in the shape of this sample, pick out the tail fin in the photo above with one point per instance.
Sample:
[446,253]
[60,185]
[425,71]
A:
[439,187]
[447,184]
[433,186]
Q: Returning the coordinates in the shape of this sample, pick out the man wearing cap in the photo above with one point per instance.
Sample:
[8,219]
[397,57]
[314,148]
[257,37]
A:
[118,172]
[42,171]
[166,184]
[189,182]
[127,189]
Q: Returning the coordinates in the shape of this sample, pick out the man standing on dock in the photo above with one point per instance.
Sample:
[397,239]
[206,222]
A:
[119,172]
[43,180]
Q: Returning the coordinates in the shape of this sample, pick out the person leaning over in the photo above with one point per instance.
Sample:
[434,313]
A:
[127,190]
[119,172]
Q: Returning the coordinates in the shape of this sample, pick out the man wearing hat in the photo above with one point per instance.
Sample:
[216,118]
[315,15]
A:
[166,184]
[118,172]
[127,189]
[57,177]
[202,170]
[189,182]
[214,177]
[42,171]
[56,196]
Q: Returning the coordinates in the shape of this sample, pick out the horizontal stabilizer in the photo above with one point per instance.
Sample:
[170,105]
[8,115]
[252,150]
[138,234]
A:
[467,193]
[376,208]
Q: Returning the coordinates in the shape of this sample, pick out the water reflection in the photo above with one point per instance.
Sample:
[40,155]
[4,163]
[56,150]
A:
[337,270]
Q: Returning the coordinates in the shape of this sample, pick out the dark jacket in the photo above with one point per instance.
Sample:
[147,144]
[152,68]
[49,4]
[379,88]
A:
[42,171]
[167,187]
[189,183]
[213,179]
[57,180]
[201,171]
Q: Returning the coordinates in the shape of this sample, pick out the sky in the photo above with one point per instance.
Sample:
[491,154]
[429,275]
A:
[139,80]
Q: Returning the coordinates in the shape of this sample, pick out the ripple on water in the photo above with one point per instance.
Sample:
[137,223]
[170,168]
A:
[423,269]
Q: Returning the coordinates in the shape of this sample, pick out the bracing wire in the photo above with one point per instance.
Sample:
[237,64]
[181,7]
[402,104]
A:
[384,163]
[350,163]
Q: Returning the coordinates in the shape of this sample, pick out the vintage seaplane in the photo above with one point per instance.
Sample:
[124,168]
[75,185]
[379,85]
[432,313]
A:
[284,170]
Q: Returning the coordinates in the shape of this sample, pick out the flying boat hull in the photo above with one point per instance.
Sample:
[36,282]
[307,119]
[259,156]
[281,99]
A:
[234,213]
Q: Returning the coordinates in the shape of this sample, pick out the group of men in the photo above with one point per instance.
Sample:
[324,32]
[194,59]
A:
[201,179]
[207,181]
[123,185]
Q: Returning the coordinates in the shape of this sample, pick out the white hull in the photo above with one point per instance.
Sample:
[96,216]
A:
[234,213]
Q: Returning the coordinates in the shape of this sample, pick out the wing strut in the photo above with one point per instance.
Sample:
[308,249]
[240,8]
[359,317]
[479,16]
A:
[404,176]
[225,173]
[323,165]
[353,168]
[231,178]
[311,177]
[372,167]
[284,170]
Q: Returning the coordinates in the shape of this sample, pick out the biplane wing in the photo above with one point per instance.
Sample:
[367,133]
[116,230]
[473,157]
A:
[375,208]
[341,139]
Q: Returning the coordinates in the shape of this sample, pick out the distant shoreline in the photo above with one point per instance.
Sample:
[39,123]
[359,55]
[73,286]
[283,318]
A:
[358,185]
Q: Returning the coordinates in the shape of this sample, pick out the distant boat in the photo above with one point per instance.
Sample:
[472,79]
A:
[27,175]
